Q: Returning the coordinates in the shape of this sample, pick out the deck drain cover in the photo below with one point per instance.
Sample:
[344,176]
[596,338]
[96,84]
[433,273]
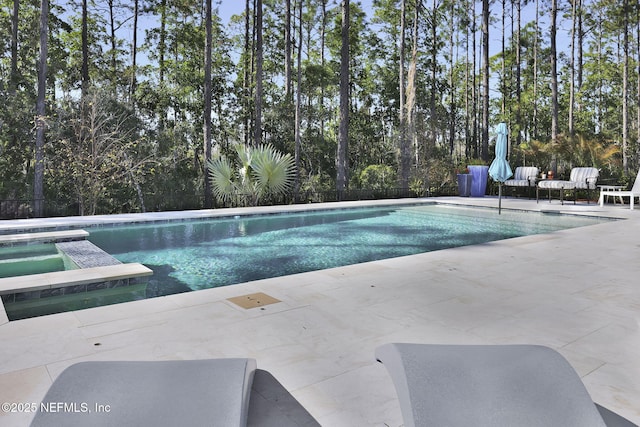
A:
[253,300]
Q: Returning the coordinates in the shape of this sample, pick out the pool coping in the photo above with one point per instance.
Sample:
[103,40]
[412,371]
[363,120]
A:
[73,222]
[80,276]
[42,237]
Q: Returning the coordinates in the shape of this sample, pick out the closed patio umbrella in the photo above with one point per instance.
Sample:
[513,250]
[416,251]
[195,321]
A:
[500,170]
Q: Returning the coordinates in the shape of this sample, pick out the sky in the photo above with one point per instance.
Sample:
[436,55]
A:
[227,8]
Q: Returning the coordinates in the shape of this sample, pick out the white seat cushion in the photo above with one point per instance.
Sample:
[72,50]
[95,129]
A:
[557,184]
[519,183]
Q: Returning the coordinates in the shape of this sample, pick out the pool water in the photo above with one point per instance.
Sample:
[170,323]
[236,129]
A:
[194,255]
[30,259]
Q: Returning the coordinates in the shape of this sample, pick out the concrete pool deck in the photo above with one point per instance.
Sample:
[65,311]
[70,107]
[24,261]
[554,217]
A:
[573,290]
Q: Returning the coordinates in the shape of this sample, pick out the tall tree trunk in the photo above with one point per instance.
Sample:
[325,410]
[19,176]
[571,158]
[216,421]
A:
[287,51]
[484,152]
[638,89]
[246,85]
[475,91]
[298,117]
[535,73]
[554,72]
[433,122]
[112,40]
[134,52]
[38,176]
[580,49]
[434,74]
[323,30]
[257,131]
[503,85]
[343,129]
[13,79]
[403,143]
[411,99]
[554,85]
[599,55]
[161,62]
[572,65]
[625,88]
[518,73]
[84,72]
[208,193]
[467,86]
[452,83]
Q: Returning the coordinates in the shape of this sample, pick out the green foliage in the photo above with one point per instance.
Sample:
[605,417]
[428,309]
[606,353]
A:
[582,151]
[160,117]
[256,174]
[476,162]
[377,177]
[98,157]
[576,151]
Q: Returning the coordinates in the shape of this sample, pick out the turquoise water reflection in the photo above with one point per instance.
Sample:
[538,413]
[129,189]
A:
[203,254]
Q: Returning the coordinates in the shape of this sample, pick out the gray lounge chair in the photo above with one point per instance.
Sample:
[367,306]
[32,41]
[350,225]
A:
[162,393]
[492,385]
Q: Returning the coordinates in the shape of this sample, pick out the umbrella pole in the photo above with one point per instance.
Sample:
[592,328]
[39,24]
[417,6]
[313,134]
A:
[499,198]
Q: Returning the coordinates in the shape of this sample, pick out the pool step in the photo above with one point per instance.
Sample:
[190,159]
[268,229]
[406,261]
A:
[43,237]
[80,277]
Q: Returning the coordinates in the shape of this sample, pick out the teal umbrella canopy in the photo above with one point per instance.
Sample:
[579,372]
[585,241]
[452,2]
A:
[500,170]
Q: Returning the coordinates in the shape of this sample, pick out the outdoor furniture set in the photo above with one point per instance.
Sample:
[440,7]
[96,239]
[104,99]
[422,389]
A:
[580,178]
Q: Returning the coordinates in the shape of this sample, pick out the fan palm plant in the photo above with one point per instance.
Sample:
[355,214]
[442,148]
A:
[258,172]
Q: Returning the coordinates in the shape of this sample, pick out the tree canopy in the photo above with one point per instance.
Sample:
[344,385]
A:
[136,93]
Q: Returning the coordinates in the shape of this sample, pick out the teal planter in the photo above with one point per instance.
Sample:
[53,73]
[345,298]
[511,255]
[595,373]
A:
[479,175]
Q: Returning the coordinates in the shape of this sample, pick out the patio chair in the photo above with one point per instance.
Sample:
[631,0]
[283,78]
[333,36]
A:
[579,179]
[490,385]
[159,393]
[524,176]
[635,192]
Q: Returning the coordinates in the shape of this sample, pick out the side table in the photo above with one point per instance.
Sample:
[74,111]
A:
[613,188]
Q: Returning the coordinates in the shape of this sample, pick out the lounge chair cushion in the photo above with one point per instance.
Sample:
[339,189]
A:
[160,393]
[585,178]
[506,385]
[557,184]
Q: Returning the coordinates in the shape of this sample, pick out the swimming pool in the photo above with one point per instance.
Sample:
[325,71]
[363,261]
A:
[30,259]
[193,255]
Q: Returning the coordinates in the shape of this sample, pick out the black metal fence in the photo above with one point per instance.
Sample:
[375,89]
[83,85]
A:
[23,208]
